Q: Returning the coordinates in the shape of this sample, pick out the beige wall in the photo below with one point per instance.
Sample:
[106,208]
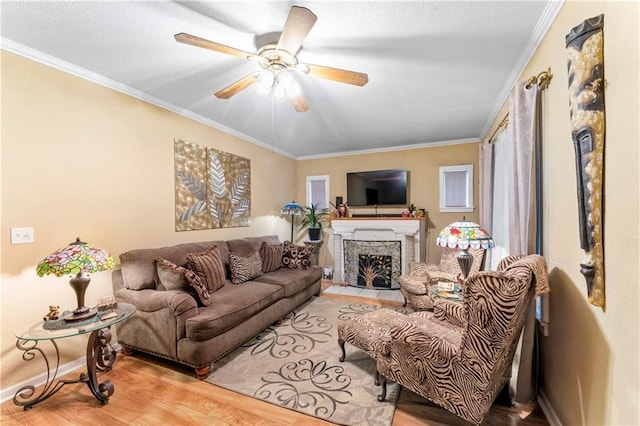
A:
[82,160]
[424,188]
[590,359]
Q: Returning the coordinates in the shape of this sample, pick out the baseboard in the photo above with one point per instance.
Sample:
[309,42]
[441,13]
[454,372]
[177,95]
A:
[8,393]
[547,409]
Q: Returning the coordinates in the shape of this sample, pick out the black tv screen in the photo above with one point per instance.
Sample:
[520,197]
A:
[377,188]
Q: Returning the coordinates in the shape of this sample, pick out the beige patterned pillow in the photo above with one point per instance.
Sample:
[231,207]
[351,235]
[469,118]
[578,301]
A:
[271,256]
[296,257]
[245,268]
[174,277]
[209,267]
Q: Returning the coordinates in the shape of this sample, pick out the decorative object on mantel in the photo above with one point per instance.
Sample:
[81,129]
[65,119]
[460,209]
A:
[292,209]
[313,218]
[213,188]
[464,235]
[78,259]
[587,116]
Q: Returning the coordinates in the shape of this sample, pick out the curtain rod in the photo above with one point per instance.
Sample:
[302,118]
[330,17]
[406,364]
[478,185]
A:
[542,80]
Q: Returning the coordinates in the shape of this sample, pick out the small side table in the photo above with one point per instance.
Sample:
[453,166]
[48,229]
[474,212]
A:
[100,353]
[453,295]
[316,249]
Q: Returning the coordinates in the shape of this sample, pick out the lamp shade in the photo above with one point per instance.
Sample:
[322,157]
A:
[292,209]
[76,258]
[464,235]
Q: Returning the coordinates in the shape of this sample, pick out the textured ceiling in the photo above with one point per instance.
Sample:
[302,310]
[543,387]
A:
[438,70]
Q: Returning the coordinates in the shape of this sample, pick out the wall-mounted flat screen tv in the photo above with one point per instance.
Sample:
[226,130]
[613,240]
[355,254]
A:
[377,188]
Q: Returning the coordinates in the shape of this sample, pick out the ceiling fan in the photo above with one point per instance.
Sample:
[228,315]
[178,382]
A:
[277,60]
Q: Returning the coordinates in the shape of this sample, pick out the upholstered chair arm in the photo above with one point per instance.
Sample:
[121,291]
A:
[443,276]
[178,305]
[424,344]
[449,311]
[414,284]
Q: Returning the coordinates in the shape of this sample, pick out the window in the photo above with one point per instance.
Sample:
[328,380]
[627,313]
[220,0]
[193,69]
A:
[456,188]
[318,191]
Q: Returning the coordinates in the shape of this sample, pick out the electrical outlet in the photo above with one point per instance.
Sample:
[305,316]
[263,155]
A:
[22,235]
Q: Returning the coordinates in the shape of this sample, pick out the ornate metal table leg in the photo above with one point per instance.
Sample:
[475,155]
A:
[25,395]
[100,357]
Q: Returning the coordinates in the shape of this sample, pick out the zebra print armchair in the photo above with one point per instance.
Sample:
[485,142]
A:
[414,286]
[459,356]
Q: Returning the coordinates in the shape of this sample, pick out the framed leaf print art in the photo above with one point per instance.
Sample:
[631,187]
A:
[212,187]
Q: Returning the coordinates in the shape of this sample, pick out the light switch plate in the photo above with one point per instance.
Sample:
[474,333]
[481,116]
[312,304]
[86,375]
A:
[22,235]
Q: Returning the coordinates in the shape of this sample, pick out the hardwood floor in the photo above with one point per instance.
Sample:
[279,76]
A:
[150,391]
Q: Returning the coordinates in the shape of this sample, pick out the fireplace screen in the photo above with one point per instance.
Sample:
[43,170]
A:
[372,264]
[374,271]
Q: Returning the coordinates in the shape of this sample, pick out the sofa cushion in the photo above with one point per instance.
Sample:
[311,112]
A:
[244,268]
[292,281]
[246,246]
[231,305]
[295,256]
[139,267]
[209,267]
[271,255]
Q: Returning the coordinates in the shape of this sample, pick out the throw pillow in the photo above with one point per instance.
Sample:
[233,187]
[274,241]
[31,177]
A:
[174,277]
[245,268]
[271,256]
[209,267]
[296,257]
[170,276]
[196,283]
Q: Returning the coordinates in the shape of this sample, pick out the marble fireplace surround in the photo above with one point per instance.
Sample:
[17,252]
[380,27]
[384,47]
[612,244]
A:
[410,232]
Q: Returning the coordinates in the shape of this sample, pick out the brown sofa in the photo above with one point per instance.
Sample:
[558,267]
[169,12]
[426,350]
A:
[173,325]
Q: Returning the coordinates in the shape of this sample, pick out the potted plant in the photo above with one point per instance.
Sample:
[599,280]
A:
[313,218]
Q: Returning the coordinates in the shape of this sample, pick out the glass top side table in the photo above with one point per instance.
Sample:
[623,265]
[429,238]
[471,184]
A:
[100,353]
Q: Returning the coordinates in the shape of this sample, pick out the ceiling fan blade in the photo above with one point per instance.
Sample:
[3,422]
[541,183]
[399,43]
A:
[337,74]
[299,23]
[299,104]
[236,87]
[211,45]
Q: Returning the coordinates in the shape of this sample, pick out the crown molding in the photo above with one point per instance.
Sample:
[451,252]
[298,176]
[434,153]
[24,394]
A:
[389,149]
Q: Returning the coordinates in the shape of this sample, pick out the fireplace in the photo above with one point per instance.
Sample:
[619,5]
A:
[379,249]
[372,264]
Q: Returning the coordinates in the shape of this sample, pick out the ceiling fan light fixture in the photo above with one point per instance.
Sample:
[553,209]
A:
[303,68]
[278,91]
[265,82]
[285,79]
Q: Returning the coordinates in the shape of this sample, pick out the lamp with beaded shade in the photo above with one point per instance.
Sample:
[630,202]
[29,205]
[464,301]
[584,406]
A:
[463,235]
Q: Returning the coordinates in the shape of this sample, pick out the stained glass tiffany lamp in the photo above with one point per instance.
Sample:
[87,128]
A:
[77,259]
[292,209]
[464,235]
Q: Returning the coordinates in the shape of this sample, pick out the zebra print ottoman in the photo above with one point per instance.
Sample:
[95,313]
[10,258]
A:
[368,332]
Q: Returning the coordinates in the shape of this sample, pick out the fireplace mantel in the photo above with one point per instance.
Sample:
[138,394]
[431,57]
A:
[409,231]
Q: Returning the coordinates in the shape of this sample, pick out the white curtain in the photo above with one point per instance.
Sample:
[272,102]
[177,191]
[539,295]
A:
[521,190]
[486,184]
[500,219]
[522,109]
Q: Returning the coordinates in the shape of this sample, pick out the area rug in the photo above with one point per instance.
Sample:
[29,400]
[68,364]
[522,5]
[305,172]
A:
[294,364]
